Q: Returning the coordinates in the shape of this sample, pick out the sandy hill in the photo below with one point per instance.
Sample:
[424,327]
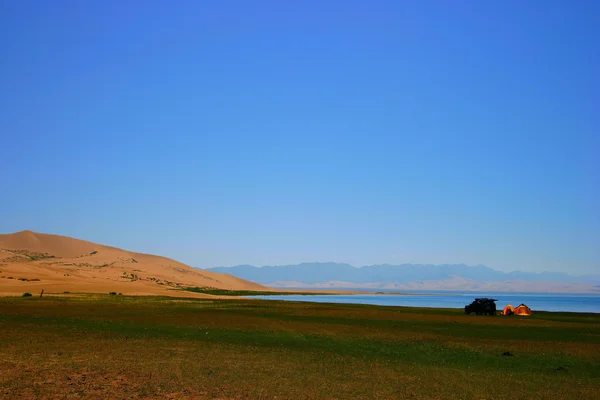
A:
[30,262]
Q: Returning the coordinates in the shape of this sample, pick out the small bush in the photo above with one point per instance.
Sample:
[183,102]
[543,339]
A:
[120,294]
[26,294]
[66,292]
[113,293]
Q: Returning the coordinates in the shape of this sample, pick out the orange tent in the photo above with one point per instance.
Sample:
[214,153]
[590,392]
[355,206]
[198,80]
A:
[508,310]
[523,310]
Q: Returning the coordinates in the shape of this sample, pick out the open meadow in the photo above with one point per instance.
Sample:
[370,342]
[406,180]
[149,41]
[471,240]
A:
[101,346]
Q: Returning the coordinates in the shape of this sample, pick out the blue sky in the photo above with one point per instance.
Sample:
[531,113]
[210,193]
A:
[269,132]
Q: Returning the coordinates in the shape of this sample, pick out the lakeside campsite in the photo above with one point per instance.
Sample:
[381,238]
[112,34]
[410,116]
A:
[299,200]
[193,342]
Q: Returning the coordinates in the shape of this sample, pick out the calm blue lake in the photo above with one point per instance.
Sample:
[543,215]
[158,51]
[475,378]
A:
[535,301]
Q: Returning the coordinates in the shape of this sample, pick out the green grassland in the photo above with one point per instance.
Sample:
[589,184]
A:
[97,346]
[225,292]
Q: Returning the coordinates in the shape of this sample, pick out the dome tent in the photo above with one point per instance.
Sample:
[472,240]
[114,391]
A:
[523,310]
[508,310]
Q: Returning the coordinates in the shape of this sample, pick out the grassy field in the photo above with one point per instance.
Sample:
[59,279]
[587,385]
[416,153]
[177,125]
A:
[225,292]
[140,347]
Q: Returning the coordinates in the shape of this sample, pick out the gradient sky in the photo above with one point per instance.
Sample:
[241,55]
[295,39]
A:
[276,132]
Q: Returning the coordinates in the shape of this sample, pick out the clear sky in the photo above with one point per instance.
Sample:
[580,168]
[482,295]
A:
[275,132]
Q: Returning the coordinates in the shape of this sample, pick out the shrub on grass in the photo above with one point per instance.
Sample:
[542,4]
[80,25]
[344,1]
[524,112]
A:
[26,294]
[113,293]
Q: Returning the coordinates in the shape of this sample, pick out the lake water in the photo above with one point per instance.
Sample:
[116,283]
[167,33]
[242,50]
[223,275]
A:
[536,301]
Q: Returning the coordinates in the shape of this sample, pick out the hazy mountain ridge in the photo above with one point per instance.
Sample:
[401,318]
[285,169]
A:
[411,277]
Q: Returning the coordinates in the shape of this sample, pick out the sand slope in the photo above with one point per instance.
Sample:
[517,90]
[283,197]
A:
[30,262]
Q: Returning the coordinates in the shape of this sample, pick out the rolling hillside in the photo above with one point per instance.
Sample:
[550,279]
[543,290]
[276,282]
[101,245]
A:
[30,262]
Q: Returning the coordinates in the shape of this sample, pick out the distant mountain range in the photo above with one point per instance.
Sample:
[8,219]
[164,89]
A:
[412,277]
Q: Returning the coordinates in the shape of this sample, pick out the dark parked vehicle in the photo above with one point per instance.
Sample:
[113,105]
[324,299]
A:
[482,306]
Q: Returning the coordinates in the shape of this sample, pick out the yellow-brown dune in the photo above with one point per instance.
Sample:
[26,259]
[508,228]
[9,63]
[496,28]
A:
[30,262]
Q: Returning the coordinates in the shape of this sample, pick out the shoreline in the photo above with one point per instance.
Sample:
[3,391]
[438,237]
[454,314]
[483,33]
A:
[562,303]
